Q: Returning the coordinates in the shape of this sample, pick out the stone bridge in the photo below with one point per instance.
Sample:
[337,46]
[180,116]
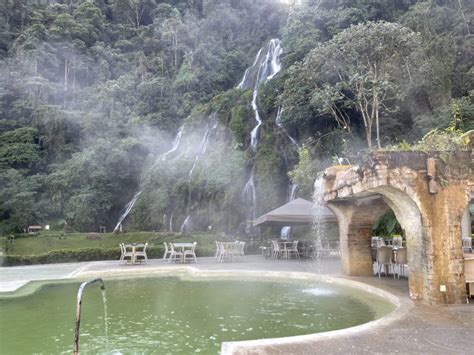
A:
[429,194]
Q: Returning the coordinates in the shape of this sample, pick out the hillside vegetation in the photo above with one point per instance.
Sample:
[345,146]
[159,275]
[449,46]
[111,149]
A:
[94,92]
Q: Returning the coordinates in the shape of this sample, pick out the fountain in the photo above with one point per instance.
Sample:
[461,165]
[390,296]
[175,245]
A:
[321,243]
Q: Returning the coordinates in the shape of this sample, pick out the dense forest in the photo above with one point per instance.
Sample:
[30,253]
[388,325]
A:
[102,101]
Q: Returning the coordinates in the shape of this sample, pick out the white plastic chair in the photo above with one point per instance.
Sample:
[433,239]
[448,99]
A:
[142,255]
[125,254]
[191,252]
[174,254]
[218,251]
[293,249]
[277,251]
[467,245]
[397,242]
[380,242]
[239,250]
[384,259]
[401,260]
[167,253]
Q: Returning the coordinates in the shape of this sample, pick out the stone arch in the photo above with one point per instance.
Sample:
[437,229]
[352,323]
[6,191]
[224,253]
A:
[409,216]
[430,214]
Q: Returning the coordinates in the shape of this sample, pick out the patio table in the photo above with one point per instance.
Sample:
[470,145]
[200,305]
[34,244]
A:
[228,249]
[182,246]
[134,247]
[285,248]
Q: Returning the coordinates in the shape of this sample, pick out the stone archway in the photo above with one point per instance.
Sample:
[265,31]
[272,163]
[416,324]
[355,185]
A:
[429,214]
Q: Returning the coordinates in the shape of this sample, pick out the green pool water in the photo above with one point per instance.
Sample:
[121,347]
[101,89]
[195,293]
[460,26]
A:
[168,315]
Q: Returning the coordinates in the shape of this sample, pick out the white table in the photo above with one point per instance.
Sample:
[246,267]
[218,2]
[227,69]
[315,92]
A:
[182,246]
[134,247]
[285,247]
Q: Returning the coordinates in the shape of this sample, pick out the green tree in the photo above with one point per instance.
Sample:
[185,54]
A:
[304,173]
[365,67]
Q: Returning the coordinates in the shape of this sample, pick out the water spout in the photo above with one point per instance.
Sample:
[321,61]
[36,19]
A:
[78,310]
[319,230]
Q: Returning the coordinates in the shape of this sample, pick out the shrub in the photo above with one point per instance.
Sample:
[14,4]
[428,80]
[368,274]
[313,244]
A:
[89,254]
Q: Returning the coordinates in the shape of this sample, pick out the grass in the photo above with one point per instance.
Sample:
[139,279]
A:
[43,243]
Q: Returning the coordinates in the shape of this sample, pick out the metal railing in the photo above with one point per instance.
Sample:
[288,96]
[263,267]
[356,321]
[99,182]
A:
[78,309]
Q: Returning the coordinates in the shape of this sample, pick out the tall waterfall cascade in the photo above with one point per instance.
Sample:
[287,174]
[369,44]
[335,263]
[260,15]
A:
[265,66]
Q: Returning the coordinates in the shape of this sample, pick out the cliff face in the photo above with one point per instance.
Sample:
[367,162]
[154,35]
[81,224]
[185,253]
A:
[228,163]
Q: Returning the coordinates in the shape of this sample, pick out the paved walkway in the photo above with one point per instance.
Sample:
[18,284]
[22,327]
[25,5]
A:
[422,329]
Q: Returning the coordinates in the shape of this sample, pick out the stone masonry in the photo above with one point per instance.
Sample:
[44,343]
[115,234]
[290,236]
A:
[429,193]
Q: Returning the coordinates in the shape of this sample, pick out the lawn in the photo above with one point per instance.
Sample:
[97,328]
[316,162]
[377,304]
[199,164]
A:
[44,243]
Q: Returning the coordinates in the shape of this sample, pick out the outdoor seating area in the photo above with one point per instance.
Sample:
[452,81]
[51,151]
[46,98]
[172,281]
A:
[306,249]
[389,256]
[134,253]
[230,251]
[180,252]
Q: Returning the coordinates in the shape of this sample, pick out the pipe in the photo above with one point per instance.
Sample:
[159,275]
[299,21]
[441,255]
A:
[78,310]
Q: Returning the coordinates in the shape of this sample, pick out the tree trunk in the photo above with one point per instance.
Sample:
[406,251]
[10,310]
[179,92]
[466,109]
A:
[368,132]
[65,73]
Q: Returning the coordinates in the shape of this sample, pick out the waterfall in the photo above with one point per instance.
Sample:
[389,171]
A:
[175,146]
[265,66]
[280,125]
[292,188]
[211,126]
[171,222]
[202,149]
[185,224]
[318,211]
[286,230]
[129,206]
[127,210]
[249,194]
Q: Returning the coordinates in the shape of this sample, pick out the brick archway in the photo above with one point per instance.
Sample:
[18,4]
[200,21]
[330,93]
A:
[429,213]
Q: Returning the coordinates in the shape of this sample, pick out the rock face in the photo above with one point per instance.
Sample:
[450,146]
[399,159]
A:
[429,193]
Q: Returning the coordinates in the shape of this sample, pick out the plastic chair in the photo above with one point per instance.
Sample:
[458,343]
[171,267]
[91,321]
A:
[125,254]
[293,249]
[277,251]
[384,258]
[142,254]
[218,251]
[380,242]
[239,250]
[397,242]
[467,245]
[191,252]
[167,253]
[401,259]
[174,254]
